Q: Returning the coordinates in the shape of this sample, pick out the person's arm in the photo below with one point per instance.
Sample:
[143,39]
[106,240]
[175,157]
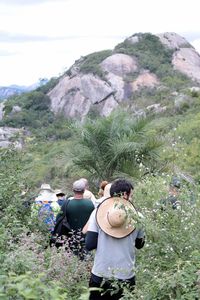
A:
[92,232]
[91,240]
[140,240]
[85,228]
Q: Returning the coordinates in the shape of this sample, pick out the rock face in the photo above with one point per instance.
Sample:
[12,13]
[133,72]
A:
[76,95]
[146,79]
[185,58]
[11,137]
[187,61]
[173,40]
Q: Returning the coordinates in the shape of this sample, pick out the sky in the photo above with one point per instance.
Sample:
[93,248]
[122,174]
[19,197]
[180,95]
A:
[43,38]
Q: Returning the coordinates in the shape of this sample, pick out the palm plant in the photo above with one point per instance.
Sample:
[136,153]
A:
[118,144]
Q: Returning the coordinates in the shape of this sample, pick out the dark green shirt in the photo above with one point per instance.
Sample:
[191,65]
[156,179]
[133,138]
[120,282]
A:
[78,212]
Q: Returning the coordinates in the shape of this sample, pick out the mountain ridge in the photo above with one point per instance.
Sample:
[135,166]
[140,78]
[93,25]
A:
[101,81]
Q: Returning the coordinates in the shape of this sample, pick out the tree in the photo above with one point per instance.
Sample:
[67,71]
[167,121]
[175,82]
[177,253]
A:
[118,144]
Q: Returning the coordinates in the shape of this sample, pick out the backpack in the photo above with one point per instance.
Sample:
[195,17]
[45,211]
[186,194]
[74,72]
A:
[62,227]
[47,215]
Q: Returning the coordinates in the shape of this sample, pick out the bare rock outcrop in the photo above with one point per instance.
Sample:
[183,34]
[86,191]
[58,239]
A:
[185,58]
[187,61]
[120,64]
[75,96]
[146,79]
[173,40]
[12,137]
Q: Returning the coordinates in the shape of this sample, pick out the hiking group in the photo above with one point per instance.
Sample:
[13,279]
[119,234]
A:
[107,225]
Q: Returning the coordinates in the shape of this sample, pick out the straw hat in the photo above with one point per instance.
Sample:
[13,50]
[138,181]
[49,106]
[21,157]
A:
[114,217]
[46,187]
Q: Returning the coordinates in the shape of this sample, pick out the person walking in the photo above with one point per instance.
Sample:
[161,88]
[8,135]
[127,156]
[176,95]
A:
[87,193]
[78,212]
[106,194]
[60,196]
[113,233]
[46,207]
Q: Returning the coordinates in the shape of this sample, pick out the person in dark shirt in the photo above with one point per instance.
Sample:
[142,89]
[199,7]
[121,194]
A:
[78,212]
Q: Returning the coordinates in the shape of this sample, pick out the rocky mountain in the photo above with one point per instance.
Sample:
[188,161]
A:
[145,73]
[101,82]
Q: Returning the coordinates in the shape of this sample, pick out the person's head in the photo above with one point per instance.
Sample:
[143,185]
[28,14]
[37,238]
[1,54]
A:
[102,187]
[85,182]
[121,187]
[79,187]
[59,194]
[46,187]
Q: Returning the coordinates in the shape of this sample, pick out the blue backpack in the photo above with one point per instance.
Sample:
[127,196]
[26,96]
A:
[46,215]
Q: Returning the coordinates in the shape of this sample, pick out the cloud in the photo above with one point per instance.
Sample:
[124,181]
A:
[25,2]
[6,53]
[191,35]
[41,38]
[7,37]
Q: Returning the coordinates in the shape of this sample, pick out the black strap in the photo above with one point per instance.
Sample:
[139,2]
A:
[60,216]
[64,207]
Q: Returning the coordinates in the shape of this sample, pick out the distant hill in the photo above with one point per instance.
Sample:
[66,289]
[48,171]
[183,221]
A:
[8,91]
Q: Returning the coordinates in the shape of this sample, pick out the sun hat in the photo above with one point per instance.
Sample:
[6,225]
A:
[46,186]
[59,192]
[79,185]
[115,217]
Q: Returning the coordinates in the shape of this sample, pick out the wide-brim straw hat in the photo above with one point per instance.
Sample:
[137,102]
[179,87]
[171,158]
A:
[115,216]
[46,187]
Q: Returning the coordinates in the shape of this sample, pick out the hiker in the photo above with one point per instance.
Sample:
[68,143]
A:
[101,188]
[60,196]
[173,198]
[106,194]
[88,194]
[45,207]
[78,212]
[112,232]
[46,192]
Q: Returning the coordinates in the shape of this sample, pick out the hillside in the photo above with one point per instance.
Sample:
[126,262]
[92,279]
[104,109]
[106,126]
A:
[131,112]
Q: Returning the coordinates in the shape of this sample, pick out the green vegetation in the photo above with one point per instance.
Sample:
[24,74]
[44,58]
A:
[35,111]
[148,151]
[117,144]
[167,267]
[153,56]
[91,62]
